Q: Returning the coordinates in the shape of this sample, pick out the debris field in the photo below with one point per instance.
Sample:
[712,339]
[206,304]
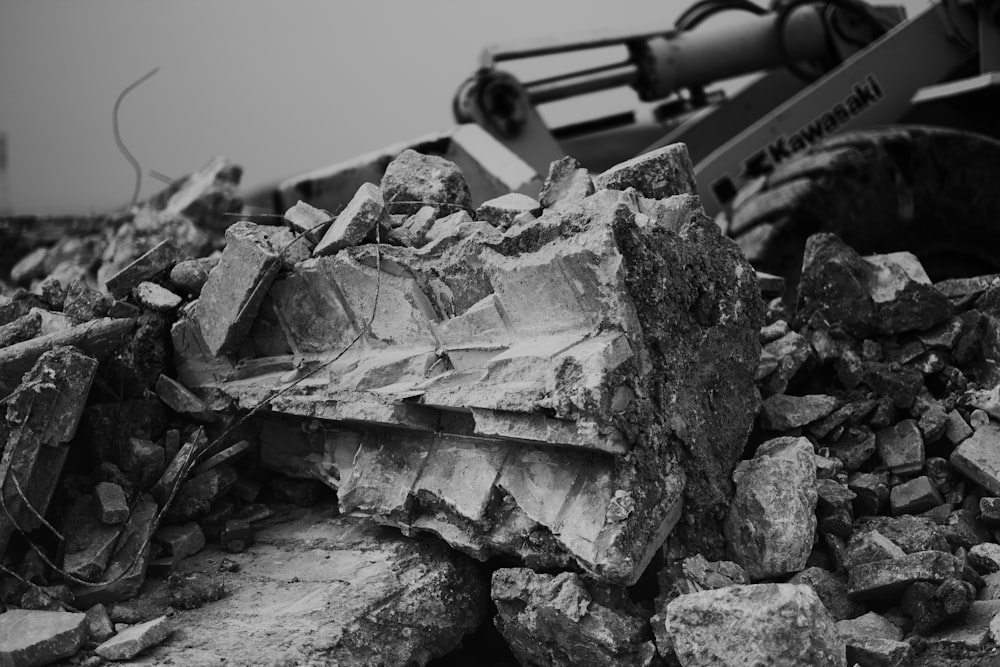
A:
[435,411]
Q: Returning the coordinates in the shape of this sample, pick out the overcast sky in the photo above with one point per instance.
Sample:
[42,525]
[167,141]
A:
[279,87]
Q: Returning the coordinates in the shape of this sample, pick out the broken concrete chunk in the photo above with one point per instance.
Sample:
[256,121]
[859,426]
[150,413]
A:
[235,288]
[90,542]
[658,174]
[365,212]
[413,180]
[567,181]
[985,557]
[882,294]
[566,382]
[206,195]
[154,297]
[198,493]
[157,261]
[180,399]
[755,624]
[132,641]
[181,541]
[978,457]
[84,303]
[23,328]
[191,275]
[41,418]
[112,508]
[915,496]
[304,218]
[501,211]
[772,517]
[99,625]
[127,569]
[29,637]
[556,620]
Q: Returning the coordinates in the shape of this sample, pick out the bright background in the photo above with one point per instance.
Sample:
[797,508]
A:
[278,87]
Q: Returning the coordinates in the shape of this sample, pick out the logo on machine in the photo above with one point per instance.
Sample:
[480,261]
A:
[863,95]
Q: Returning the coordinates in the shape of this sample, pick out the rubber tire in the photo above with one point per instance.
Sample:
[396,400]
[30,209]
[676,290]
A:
[932,191]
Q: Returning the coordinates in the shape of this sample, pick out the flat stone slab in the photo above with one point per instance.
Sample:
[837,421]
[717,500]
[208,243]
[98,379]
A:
[978,457]
[133,640]
[29,637]
[321,588]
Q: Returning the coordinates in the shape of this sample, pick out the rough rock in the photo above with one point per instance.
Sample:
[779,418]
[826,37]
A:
[181,541]
[413,180]
[190,275]
[888,578]
[780,412]
[29,638]
[99,625]
[197,494]
[882,294]
[771,520]
[366,211]
[126,569]
[502,211]
[132,641]
[557,620]
[872,641]
[978,457]
[155,297]
[869,546]
[657,174]
[901,447]
[832,591]
[304,218]
[236,287]
[695,573]
[567,181]
[778,624]
[155,262]
[932,605]
[521,380]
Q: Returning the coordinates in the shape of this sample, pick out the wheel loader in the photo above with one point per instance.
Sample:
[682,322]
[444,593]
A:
[857,120]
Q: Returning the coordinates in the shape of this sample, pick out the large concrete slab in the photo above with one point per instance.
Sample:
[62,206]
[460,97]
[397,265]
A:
[322,588]
[583,367]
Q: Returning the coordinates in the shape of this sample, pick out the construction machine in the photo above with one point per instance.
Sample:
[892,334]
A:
[855,119]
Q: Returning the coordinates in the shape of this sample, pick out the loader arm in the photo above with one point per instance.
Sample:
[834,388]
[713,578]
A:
[874,87]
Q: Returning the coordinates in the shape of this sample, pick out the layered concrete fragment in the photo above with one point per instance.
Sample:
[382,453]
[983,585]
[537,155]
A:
[544,393]
[41,418]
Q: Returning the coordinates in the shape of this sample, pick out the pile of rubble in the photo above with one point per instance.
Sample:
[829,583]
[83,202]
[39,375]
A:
[453,423]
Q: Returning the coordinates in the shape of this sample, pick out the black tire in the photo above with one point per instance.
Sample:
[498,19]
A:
[932,191]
